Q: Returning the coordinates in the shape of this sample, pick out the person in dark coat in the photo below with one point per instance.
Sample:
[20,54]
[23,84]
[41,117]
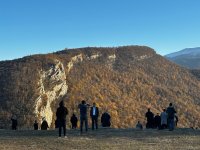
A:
[61,114]
[35,125]
[150,119]
[157,121]
[83,107]
[74,121]
[105,119]
[14,122]
[171,114]
[44,124]
[94,114]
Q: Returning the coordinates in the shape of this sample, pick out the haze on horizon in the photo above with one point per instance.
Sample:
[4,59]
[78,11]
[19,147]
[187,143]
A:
[35,27]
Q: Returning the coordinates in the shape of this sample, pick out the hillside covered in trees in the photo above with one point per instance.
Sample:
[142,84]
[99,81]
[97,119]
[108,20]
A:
[123,80]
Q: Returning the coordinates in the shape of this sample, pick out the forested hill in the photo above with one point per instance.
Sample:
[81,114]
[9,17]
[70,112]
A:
[123,80]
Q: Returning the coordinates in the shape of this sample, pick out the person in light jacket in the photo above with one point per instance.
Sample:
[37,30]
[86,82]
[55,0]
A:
[163,116]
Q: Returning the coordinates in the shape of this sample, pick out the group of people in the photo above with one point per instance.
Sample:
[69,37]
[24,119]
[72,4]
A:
[44,125]
[167,119]
[62,112]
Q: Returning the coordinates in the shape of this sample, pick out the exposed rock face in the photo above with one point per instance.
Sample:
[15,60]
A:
[74,60]
[52,85]
[124,80]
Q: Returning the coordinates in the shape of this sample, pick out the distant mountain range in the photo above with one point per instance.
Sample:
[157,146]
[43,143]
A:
[188,57]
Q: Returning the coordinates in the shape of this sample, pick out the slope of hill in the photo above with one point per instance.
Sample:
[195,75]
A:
[189,57]
[123,80]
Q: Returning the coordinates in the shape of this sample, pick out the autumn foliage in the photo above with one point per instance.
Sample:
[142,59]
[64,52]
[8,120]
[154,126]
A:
[125,85]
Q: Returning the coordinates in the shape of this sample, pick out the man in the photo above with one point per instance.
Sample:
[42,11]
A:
[150,119]
[35,125]
[83,115]
[163,116]
[157,121]
[171,114]
[61,114]
[14,122]
[94,114]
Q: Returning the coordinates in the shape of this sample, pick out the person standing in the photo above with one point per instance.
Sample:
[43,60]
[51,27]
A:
[14,122]
[94,114]
[157,121]
[74,121]
[163,116]
[61,114]
[150,119]
[35,125]
[171,114]
[83,107]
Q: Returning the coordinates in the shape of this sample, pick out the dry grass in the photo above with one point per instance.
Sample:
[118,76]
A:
[101,139]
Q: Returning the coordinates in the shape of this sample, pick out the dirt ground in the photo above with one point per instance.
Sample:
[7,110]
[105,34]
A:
[111,139]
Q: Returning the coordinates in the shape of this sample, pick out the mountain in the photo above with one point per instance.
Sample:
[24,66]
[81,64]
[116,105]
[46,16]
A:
[123,80]
[189,57]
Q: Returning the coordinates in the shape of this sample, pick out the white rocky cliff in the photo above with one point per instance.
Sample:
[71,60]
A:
[52,86]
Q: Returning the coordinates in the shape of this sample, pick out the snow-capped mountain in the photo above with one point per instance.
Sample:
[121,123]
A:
[188,57]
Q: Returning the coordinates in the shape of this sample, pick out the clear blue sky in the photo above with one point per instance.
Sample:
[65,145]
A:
[42,26]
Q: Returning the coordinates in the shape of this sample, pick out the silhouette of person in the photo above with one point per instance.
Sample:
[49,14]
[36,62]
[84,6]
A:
[163,116]
[176,120]
[157,121]
[139,126]
[74,121]
[14,122]
[171,114]
[105,119]
[83,107]
[94,114]
[150,119]
[35,125]
[61,114]
[44,124]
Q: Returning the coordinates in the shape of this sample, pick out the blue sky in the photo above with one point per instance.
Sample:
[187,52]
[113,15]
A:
[42,26]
